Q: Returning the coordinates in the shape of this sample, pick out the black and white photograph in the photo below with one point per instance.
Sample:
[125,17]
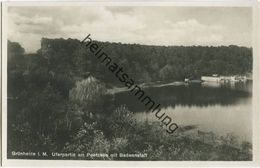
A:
[110,82]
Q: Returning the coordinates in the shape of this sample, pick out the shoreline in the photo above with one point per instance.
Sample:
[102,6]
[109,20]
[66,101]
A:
[115,90]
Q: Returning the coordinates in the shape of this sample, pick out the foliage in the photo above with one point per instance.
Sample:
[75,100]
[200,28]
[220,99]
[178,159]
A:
[88,139]
[15,55]
[87,92]
[57,99]
[147,63]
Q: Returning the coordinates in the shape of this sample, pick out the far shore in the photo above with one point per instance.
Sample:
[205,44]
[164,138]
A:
[146,85]
[158,84]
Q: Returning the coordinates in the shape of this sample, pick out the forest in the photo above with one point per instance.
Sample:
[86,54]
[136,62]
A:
[58,101]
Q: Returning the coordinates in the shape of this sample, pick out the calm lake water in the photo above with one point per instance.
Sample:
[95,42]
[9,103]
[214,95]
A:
[220,108]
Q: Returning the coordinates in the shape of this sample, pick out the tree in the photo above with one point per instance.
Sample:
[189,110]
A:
[15,54]
[88,94]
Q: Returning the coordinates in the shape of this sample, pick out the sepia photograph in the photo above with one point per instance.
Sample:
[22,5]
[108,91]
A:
[129,82]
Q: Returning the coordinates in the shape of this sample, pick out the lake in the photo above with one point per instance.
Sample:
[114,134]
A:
[220,108]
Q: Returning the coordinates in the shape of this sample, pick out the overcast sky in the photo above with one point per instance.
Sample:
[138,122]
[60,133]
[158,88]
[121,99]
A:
[144,25]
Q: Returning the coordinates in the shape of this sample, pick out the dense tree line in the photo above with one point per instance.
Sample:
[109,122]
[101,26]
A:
[57,95]
[148,63]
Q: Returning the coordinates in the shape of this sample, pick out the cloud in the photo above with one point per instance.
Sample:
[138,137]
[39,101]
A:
[195,33]
[119,9]
[144,25]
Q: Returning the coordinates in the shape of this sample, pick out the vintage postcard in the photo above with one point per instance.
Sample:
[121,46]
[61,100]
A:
[124,83]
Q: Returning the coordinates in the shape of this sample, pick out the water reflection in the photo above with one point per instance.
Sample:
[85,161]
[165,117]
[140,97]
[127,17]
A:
[221,108]
[204,95]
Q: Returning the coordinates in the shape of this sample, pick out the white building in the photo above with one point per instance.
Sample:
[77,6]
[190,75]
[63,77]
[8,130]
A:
[216,78]
[211,78]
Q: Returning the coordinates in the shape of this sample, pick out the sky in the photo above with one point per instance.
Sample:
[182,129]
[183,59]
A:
[165,25]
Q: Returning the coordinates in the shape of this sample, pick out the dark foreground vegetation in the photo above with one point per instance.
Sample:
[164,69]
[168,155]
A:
[57,101]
